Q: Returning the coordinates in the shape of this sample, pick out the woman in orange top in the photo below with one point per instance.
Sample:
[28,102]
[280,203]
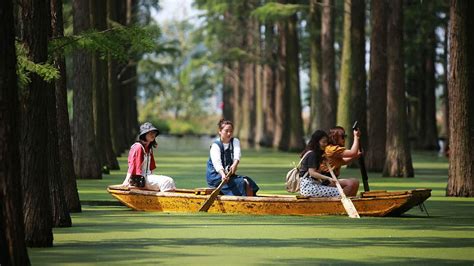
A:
[337,155]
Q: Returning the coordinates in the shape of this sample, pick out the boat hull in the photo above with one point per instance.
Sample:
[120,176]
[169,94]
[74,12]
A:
[377,203]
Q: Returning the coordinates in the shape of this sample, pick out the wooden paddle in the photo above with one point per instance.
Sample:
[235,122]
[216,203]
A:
[346,202]
[207,204]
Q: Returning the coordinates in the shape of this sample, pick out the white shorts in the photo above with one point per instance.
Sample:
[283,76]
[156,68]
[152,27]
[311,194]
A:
[160,183]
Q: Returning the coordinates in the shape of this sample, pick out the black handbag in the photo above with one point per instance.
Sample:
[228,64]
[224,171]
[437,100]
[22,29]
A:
[137,181]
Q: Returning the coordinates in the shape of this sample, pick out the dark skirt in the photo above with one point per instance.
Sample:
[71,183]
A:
[236,186]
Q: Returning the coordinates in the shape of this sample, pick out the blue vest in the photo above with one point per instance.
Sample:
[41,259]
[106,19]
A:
[227,158]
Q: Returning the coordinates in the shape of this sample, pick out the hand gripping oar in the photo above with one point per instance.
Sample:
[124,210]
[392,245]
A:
[207,204]
[346,202]
[363,172]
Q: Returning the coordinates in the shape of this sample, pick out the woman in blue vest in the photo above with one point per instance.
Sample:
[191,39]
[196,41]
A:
[223,162]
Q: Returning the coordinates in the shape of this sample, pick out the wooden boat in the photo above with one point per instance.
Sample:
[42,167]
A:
[372,203]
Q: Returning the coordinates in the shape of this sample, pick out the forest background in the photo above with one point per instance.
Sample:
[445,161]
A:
[81,75]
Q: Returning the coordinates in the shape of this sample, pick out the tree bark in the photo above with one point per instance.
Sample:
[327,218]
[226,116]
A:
[117,119]
[281,132]
[430,140]
[269,82]
[62,118]
[345,88]
[316,100]
[100,88]
[247,132]
[86,160]
[328,73]
[12,236]
[60,208]
[358,103]
[35,16]
[377,125]
[461,100]
[296,141]
[398,162]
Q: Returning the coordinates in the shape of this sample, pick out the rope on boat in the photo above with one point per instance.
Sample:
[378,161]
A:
[423,208]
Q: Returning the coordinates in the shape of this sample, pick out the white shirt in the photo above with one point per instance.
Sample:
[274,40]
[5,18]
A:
[215,153]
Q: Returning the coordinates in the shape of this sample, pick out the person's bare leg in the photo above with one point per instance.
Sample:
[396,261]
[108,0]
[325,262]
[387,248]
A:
[350,186]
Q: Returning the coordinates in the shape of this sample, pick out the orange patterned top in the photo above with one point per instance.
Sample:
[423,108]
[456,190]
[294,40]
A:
[333,154]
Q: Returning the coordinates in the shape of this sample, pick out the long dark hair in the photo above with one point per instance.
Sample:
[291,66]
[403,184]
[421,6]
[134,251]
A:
[313,145]
[143,138]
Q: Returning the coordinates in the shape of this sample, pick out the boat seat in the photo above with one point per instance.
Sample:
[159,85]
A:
[203,191]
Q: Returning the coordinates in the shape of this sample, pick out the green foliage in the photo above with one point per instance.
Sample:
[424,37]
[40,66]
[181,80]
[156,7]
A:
[120,42]
[277,11]
[178,82]
[25,67]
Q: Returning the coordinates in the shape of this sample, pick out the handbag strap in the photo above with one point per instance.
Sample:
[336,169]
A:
[302,158]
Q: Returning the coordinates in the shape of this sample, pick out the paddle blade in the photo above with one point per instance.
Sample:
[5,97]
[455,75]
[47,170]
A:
[207,204]
[350,208]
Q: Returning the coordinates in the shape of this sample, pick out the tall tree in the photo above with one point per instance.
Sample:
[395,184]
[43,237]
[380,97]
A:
[250,26]
[358,102]
[100,89]
[377,114]
[62,117]
[328,74]
[60,209]
[345,88]
[12,237]
[86,160]
[280,133]
[269,73]
[35,16]
[461,100]
[398,162]
[295,140]
[316,100]
[130,80]
[430,138]
[117,129]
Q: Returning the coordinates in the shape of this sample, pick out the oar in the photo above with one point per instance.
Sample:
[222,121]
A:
[363,171]
[346,202]
[207,204]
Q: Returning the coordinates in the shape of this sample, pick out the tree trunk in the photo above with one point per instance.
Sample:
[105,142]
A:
[259,111]
[345,88]
[358,104]
[445,102]
[12,236]
[248,99]
[328,88]
[430,140]
[377,125]
[130,82]
[281,132]
[117,119]
[62,118]
[296,141]
[60,208]
[316,107]
[398,162]
[86,160]
[101,99]
[461,100]
[269,82]
[35,16]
